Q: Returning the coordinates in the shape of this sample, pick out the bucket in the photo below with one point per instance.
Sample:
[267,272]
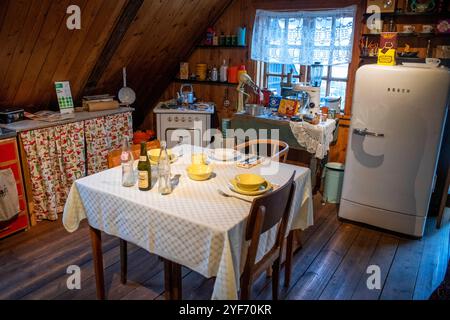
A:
[334,177]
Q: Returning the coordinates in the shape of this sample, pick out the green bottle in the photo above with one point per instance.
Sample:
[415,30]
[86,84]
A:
[144,170]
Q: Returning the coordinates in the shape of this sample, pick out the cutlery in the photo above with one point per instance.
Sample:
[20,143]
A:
[232,196]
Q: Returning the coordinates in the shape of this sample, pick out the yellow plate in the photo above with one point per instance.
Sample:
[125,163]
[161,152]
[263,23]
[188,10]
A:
[266,186]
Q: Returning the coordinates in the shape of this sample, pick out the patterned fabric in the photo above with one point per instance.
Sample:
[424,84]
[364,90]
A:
[304,37]
[103,135]
[315,138]
[194,226]
[55,159]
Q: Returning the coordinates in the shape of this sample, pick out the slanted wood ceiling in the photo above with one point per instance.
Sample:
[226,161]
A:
[37,49]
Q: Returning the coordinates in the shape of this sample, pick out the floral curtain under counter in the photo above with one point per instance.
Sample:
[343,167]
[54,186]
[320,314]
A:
[56,158]
[103,135]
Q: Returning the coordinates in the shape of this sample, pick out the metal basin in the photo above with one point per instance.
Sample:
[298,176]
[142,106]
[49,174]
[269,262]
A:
[254,109]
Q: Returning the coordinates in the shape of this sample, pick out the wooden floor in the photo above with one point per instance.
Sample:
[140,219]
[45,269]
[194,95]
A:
[331,265]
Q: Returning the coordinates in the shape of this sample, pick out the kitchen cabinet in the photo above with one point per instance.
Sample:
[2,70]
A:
[54,155]
[9,159]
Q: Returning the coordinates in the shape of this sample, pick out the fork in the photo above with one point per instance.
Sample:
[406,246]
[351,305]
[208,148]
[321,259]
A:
[231,196]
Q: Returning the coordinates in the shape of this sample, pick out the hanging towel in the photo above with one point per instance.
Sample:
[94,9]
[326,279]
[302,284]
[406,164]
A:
[9,197]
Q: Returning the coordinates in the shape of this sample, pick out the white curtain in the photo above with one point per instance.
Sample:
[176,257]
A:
[304,37]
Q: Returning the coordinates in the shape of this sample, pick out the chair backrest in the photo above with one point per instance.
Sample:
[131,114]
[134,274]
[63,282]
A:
[276,206]
[114,155]
[278,149]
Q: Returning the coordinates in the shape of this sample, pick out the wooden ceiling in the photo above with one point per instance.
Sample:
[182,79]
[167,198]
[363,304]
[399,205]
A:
[150,37]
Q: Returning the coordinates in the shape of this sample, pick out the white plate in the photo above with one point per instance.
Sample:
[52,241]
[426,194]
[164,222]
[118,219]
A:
[223,154]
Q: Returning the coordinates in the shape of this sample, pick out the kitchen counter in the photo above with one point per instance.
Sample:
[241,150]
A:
[27,125]
[6,133]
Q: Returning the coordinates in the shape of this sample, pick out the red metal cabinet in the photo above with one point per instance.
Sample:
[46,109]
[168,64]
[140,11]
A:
[9,158]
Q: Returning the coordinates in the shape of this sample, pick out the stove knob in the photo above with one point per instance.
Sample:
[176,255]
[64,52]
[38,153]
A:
[170,119]
[196,119]
[183,119]
[176,119]
[190,119]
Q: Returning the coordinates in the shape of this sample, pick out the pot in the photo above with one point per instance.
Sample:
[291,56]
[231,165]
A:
[254,109]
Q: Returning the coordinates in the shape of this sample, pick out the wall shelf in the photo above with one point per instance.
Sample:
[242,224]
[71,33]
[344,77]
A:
[399,60]
[411,14]
[203,46]
[206,82]
[412,35]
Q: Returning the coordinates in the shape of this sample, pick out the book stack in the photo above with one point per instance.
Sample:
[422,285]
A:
[99,103]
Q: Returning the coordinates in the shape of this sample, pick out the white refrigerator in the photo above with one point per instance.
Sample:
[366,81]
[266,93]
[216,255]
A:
[394,142]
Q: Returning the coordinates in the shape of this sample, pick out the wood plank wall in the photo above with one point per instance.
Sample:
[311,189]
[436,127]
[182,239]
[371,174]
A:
[37,49]
[240,13]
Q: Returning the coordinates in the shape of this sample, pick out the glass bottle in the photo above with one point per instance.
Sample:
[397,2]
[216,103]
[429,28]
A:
[164,183]
[144,169]
[126,158]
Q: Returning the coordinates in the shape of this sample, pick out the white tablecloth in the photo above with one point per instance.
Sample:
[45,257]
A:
[194,226]
[315,138]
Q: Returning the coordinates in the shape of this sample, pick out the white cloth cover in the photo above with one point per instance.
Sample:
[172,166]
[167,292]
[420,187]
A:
[194,226]
[9,197]
[304,37]
[315,138]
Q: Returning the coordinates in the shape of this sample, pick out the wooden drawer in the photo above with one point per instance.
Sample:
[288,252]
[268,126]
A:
[8,150]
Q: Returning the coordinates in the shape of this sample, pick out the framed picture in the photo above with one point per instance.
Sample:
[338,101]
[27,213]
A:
[384,5]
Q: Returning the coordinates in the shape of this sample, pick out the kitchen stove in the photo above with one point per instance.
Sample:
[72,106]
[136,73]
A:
[183,125]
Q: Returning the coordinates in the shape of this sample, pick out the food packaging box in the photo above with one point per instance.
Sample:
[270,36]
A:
[184,70]
[64,95]
[100,105]
[388,40]
[288,107]
[274,103]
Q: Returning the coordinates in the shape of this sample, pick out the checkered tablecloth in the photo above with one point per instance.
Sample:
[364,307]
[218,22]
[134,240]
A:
[194,226]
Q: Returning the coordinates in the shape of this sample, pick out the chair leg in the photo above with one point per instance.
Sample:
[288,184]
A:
[123,261]
[288,263]
[275,279]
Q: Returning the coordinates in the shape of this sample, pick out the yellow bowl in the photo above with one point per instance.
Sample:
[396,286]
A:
[199,172]
[198,158]
[249,181]
[154,154]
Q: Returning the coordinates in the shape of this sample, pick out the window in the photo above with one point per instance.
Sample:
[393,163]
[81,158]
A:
[334,79]
[288,42]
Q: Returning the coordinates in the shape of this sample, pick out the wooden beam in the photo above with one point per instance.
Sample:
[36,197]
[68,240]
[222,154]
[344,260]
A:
[129,13]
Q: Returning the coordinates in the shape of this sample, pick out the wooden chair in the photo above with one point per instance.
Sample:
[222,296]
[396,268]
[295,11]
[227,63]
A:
[278,149]
[114,161]
[114,155]
[265,213]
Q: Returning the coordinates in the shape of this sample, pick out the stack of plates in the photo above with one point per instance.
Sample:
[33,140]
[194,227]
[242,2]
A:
[224,154]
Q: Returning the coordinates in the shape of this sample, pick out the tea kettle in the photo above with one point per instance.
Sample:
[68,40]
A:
[186,97]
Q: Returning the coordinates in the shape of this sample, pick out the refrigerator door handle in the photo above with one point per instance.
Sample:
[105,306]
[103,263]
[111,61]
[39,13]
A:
[366,132]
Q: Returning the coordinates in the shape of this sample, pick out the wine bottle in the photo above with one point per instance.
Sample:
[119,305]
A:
[144,170]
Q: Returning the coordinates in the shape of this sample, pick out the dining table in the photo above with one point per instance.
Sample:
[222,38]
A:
[199,225]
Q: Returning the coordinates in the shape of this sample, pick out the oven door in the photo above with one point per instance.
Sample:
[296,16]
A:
[175,136]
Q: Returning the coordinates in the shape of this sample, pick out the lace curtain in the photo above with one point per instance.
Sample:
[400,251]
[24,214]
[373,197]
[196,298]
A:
[304,37]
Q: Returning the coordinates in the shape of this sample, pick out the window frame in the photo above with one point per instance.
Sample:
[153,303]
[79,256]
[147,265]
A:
[263,74]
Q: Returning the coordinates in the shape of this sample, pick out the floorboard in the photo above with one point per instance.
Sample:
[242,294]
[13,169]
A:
[332,264]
